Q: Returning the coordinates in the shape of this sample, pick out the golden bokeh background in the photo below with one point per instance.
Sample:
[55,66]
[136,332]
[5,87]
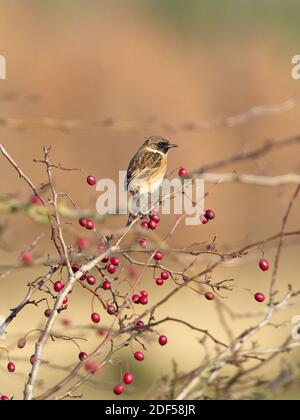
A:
[145,66]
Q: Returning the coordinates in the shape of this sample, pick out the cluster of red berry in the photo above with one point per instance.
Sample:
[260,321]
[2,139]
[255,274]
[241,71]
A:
[151,223]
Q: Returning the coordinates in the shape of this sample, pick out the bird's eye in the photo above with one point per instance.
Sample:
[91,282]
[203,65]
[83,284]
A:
[161,145]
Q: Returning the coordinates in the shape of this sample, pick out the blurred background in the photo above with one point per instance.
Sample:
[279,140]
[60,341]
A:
[133,68]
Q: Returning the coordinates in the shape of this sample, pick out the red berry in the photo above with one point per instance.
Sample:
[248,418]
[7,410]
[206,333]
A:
[102,332]
[135,299]
[95,317]
[165,275]
[115,261]
[90,225]
[143,243]
[58,286]
[66,322]
[83,356]
[4,398]
[83,244]
[36,200]
[83,221]
[91,180]
[139,356]
[132,271]
[144,293]
[152,225]
[143,300]
[158,256]
[182,172]
[75,268]
[111,268]
[155,218]
[11,367]
[128,378]
[140,325]
[204,220]
[209,296]
[119,389]
[159,281]
[210,214]
[48,313]
[26,258]
[260,297]
[163,340]
[106,285]
[66,300]
[264,264]
[83,277]
[91,367]
[144,224]
[32,359]
[111,309]
[91,280]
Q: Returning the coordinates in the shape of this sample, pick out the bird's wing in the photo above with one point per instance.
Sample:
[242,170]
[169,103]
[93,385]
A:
[143,165]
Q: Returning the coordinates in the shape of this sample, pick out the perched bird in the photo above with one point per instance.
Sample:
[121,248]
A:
[147,168]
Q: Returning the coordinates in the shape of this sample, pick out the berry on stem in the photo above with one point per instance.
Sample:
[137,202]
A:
[264,264]
[143,243]
[260,297]
[91,280]
[210,215]
[111,309]
[182,172]
[83,221]
[106,285]
[144,225]
[165,275]
[91,180]
[163,340]
[159,281]
[75,268]
[111,268]
[91,367]
[83,356]
[139,356]
[95,317]
[158,256]
[143,300]
[128,378]
[155,218]
[58,286]
[119,389]
[140,325]
[66,300]
[209,296]
[48,313]
[115,261]
[11,367]
[32,359]
[26,258]
[152,225]
[83,244]
[90,225]
[4,398]
[135,299]
[203,219]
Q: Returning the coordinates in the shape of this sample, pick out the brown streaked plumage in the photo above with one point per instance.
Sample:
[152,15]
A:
[148,167]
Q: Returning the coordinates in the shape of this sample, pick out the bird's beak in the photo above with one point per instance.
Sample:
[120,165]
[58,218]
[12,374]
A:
[171,146]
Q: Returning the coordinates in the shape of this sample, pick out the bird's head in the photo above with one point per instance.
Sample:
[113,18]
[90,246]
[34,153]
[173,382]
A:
[159,143]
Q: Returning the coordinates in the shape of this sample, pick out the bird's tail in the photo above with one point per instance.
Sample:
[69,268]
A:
[131,219]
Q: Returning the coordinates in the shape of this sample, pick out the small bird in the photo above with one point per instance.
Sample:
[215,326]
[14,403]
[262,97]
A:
[147,168]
